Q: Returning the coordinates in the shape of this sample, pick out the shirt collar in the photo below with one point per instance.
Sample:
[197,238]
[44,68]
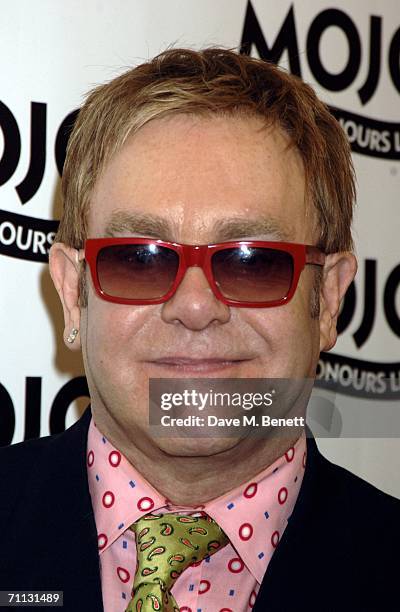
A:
[252,514]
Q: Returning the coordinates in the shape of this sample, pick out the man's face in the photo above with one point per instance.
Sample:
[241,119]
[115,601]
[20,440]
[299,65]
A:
[197,181]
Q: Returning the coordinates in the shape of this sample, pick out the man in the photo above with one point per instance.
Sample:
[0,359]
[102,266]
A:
[198,148]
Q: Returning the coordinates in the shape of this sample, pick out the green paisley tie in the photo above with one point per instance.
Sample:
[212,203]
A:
[166,545]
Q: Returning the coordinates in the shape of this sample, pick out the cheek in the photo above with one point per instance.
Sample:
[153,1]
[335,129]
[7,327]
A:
[290,336]
[111,333]
[281,327]
[112,361]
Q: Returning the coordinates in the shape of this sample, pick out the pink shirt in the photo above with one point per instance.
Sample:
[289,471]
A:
[253,516]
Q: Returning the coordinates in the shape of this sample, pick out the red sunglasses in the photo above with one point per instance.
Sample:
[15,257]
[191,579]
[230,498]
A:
[249,273]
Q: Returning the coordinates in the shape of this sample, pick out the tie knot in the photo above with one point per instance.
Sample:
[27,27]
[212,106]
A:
[168,543]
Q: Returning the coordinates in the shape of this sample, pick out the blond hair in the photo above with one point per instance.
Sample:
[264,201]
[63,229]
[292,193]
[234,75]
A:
[207,82]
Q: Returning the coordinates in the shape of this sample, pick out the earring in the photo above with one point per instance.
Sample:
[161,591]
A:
[73,335]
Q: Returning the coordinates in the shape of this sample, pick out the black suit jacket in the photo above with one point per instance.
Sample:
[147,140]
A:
[339,552]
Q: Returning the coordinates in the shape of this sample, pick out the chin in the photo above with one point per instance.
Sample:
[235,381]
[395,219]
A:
[195,447]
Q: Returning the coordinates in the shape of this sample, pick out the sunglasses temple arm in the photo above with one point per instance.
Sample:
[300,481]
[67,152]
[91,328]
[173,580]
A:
[80,255]
[315,256]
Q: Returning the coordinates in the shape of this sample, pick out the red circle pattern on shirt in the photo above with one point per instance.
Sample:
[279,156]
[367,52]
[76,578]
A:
[123,574]
[250,490]
[282,495]
[204,586]
[90,458]
[102,541]
[145,504]
[289,454]
[114,458]
[245,531]
[235,565]
[275,539]
[252,599]
[108,499]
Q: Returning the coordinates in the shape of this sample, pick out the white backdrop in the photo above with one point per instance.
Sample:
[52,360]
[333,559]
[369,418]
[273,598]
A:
[52,52]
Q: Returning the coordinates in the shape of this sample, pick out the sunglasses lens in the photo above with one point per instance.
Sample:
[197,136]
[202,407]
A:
[137,271]
[253,274]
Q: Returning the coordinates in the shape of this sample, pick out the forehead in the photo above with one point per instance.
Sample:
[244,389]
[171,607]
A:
[196,180]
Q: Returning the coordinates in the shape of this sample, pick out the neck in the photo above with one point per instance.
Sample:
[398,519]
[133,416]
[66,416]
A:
[194,480]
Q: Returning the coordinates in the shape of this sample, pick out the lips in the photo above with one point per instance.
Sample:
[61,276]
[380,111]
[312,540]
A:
[187,365]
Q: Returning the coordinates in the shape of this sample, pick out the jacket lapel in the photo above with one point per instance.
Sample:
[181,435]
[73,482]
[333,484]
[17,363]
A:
[309,553]
[61,542]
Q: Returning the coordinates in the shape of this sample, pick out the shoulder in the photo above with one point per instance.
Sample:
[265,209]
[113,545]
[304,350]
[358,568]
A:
[19,460]
[351,517]
[23,454]
[351,491]
[346,533]
[19,482]
[348,514]
[29,469]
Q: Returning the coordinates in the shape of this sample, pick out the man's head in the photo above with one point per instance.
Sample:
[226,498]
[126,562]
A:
[201,148]
[212,82]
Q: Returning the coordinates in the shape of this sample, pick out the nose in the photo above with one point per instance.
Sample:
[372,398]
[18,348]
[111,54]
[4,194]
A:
[194,304]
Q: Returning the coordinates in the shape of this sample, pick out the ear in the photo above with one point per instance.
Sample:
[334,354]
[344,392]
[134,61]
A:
[339,271]
[64,270]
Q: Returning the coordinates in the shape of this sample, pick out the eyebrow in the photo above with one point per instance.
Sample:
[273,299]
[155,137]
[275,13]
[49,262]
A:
[232,229]
[136,223]
[226,229]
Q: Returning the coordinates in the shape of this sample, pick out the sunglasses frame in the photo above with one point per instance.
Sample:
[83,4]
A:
[200,256]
